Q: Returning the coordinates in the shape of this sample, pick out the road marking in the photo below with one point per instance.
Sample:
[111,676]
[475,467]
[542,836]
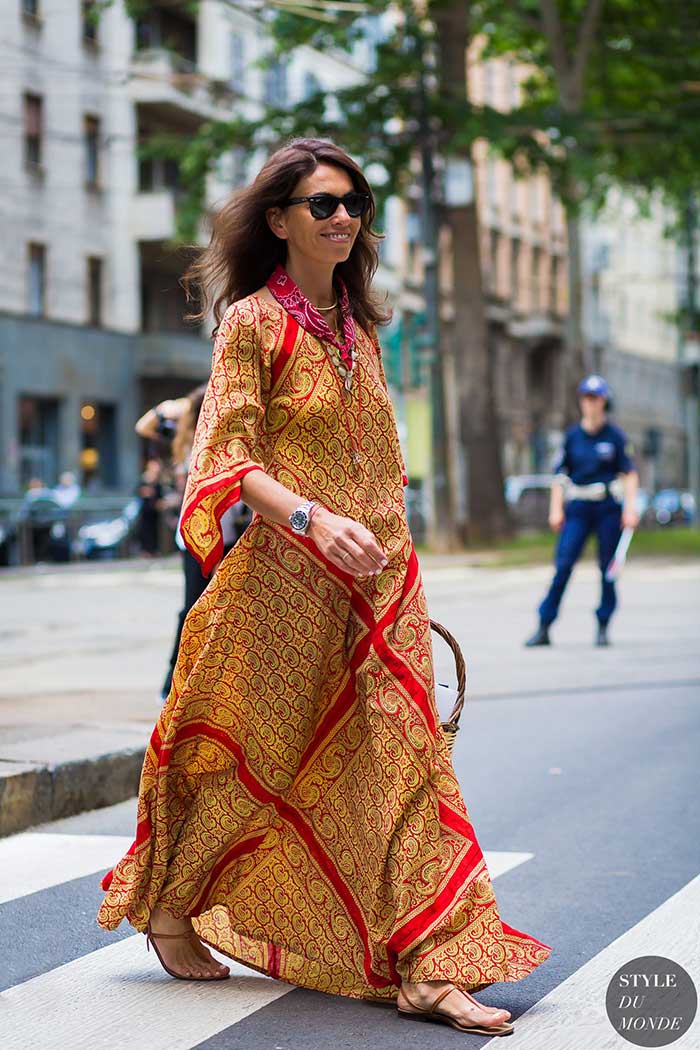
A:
[138,1003]
[499,862]
[573,1014]
[34,861]
[120,996]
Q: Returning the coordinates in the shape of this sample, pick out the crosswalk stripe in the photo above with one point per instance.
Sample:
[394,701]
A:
[573,1014]
[119,996]
[34,861]
[139,1003]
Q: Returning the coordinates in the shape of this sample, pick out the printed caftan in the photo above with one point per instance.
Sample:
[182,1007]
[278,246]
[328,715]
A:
[297,797]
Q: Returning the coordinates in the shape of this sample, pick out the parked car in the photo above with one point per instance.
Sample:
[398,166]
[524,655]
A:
[671,507]
[107,537]
[527,495]
[8,542]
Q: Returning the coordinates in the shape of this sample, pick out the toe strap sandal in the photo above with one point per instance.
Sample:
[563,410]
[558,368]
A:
[152,937]
[417,1013]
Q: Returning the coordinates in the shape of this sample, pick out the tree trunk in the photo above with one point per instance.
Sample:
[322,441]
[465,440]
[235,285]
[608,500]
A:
[577,362]
[487,514]
[570,66]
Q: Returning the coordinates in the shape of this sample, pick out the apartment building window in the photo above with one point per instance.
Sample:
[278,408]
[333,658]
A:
[91,136]
[36,282]
[492,185]
[237,62]
[94,291]
[554,284]
[276,83]
[38,439]
[239,166]
[514,271]
[513,86]
[536,279]
[33,131]
[490,82]
[89,12]
[494,248]
[158,173]
[174,31]
[311,84]
[30,10]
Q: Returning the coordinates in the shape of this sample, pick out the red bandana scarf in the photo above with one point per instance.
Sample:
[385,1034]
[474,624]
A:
[291,297]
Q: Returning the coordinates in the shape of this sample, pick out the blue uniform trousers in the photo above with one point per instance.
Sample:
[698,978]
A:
[581,518]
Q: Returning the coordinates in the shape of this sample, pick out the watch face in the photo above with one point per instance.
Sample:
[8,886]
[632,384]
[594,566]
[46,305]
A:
[299,519]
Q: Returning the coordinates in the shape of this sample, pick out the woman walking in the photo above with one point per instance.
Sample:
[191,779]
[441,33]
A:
[298,809]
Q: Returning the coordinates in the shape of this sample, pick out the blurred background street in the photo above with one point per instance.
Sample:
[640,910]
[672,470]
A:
[537,182]
[579,766]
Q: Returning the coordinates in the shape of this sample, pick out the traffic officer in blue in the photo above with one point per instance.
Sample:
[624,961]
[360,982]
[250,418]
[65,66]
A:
[588,496]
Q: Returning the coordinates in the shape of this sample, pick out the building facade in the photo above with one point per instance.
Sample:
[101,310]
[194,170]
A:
[92,329]
[632,293]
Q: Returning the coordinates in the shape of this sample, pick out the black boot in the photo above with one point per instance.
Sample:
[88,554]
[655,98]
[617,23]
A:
[602,635]
[540,637]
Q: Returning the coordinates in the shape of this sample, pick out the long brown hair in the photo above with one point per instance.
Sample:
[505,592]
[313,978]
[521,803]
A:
[243,250]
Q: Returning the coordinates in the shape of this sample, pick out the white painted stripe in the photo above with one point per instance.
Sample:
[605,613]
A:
[499,863]
[35,861]
[573,1014]
[119,996]
[139,1004]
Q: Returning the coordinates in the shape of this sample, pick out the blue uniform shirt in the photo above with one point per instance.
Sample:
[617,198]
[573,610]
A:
[594,457]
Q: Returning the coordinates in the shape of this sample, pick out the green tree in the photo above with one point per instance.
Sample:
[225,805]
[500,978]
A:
[613,98]
[411,103]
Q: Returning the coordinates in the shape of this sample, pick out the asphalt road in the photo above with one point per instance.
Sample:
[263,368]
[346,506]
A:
[580,765]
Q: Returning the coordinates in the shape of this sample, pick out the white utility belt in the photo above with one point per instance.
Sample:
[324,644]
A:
[597,490]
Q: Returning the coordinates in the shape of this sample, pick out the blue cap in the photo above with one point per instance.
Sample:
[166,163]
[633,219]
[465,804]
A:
[594,385]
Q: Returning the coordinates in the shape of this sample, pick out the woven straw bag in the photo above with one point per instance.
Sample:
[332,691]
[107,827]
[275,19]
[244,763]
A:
[451,726]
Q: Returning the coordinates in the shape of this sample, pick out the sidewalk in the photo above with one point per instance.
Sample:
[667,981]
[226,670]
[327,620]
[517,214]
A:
[85,649]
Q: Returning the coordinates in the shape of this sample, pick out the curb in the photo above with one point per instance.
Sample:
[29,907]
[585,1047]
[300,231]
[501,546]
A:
[33,794]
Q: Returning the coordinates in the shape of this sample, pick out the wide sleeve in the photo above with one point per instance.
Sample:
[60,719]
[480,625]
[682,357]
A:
[229,440]
[372,333]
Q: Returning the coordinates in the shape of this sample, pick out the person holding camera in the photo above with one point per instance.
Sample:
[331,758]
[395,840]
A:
[175,421]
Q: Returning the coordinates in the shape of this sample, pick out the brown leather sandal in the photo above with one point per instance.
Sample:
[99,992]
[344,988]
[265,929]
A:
[440,1017]
[189,934]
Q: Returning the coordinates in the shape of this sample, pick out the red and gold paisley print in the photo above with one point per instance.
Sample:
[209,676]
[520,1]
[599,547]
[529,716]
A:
[297,795]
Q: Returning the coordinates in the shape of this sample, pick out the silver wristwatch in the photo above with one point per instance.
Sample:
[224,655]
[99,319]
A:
[300,518]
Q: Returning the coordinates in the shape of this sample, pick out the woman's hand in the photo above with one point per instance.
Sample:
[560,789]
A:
[346,543]
[630,518]
[556,519]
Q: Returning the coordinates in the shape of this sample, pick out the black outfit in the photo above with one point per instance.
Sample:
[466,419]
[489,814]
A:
[195,586]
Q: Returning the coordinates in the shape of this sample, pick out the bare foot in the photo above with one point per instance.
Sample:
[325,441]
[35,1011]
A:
[458,1004]
[186,956]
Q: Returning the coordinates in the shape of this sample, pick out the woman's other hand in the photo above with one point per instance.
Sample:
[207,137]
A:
[556,519]
[346,543]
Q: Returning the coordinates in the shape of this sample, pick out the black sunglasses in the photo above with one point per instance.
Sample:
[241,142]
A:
[323,205]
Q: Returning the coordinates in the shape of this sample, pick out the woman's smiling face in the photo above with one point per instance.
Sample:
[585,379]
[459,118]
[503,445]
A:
[321,240]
